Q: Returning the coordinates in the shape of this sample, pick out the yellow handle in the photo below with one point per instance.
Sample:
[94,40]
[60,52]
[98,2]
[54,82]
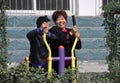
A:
[73,59]
[73,56]
[27,68]
[49,54]
[27,63]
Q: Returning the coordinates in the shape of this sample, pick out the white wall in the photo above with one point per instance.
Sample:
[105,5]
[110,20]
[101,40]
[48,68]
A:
[89,7]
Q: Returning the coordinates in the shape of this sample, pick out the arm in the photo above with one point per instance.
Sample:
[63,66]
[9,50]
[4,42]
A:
[50,37]
[74,33]
[31,35]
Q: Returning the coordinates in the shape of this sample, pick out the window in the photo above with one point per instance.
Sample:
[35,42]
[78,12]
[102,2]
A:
[40,7]
[40,4]
[52,4]
[20,5]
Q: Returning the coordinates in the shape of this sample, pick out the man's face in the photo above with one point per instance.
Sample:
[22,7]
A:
[45,25]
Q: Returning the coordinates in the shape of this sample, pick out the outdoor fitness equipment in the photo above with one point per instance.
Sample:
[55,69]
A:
[61,57]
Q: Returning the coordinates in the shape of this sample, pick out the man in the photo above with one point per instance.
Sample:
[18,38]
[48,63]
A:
[38,50]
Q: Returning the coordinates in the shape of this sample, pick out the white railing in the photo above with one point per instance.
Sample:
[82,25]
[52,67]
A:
[30,7]
[40,7]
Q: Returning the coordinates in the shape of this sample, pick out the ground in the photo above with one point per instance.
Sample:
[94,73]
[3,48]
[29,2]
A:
[92,66]
[86,66]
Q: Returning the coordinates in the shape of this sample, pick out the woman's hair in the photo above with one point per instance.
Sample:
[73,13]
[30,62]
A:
[58,13]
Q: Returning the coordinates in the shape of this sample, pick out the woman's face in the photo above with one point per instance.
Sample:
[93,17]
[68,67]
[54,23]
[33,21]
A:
[61,22]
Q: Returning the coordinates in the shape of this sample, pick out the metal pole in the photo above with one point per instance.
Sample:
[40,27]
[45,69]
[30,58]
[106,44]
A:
[61,61]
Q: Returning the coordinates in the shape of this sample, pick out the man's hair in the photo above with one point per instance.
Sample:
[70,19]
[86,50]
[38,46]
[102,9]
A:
[58,13]
[42,19]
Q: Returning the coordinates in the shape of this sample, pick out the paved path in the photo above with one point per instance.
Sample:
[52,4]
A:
[92,66]
[85,66]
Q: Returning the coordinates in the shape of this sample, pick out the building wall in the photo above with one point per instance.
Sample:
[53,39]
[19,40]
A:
[89,7]
[77,7]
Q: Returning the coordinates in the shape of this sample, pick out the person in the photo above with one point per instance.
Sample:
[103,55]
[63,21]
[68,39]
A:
[38,50]
[64,36]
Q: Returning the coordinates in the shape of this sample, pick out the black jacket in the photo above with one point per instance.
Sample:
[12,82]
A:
[38,50]
[63,38]
[66,40]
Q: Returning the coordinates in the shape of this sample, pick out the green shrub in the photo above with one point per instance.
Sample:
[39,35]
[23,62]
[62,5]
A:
[18,74]
[111,16]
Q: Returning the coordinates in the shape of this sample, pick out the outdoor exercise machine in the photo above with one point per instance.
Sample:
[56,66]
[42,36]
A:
[61,57]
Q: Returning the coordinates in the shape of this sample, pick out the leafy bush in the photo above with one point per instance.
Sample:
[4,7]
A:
[111,16]
[18,74]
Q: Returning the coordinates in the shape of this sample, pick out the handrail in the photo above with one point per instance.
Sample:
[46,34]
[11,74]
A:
[74,44]
[72,52]
[49,54]
[50,57]
[73,59]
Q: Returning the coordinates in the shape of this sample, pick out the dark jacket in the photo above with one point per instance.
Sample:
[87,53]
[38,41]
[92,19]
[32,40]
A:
[65,39]
[38,50]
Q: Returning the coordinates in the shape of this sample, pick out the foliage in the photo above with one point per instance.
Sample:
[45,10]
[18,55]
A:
[111,16]
[3,33]
[3,21]
[18,74]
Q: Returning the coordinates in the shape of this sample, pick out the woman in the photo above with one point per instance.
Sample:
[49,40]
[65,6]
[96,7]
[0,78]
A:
[64,36]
